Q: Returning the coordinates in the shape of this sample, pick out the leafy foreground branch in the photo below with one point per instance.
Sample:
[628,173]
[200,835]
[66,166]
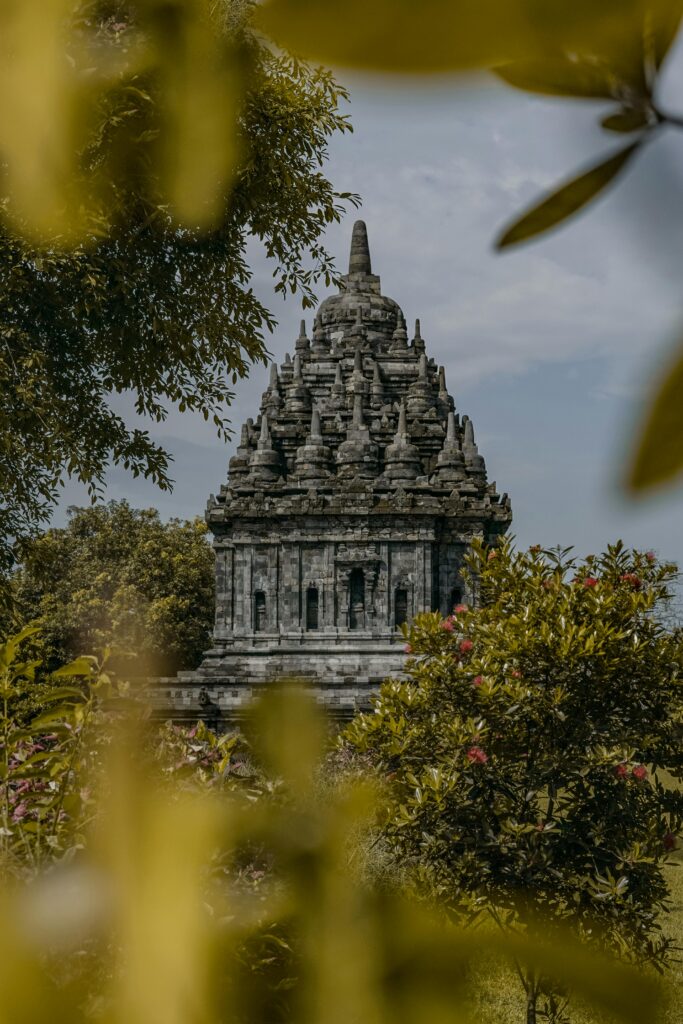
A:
[534,754]
[109,288]
[139,901]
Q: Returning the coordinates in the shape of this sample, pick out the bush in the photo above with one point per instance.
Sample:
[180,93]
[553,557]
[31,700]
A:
[532,747]
[118,577]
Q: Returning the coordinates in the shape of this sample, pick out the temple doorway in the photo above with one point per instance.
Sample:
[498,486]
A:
[357,599]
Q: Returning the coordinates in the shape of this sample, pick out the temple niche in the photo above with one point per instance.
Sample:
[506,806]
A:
[349,506]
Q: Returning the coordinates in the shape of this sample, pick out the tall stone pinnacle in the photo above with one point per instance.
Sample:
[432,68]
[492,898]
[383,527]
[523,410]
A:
[358,421]
[316,432]
[402,432]
[359,259]
[451,438]
[264,437]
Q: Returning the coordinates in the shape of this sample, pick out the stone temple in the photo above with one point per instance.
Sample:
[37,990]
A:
[349,506]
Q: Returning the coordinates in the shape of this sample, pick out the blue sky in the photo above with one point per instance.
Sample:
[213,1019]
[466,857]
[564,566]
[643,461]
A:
[549,348]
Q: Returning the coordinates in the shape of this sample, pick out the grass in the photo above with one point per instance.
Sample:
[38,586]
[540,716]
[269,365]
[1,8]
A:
[499,998]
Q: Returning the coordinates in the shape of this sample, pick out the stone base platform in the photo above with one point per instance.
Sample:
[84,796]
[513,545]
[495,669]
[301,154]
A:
[342,676]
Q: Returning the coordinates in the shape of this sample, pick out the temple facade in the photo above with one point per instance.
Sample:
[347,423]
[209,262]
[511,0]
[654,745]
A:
[349,506]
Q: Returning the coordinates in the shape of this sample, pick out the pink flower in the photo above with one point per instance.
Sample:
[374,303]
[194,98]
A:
[19,811]
[590,581]
[477,681]
[408,649]
[516,674]
[459,608]
[630,577]
[651,556]
[621,771]
[475,755]
[492,555]
[639,772]
[466,645]
[447,624]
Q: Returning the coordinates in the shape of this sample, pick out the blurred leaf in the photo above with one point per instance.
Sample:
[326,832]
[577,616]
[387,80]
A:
[567,200]
[663,19]
[626,121]
[659,451]
[287,730]
[443,35]
[154,847]
[200,81]
[42,119]
[560,76]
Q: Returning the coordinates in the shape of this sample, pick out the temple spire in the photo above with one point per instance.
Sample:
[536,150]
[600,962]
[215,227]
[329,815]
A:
[359,259]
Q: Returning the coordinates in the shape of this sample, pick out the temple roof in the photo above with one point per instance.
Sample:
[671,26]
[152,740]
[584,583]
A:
[359,407]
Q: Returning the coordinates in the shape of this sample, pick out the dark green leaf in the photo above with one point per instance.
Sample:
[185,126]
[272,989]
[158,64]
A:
[659,453]
[560,76]
[441,35]
[626,121]
[567,200]
[665,19]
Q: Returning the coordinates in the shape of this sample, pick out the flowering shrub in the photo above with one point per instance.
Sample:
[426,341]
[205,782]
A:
[532,746]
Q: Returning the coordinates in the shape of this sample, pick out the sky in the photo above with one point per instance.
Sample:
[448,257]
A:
[551,348]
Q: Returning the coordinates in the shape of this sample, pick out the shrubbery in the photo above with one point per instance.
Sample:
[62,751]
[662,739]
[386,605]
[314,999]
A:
[119,578]
[534,751]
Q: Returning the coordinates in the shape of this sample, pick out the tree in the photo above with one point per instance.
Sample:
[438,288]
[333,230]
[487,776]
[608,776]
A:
[118,577]
[534,750]
[140,302]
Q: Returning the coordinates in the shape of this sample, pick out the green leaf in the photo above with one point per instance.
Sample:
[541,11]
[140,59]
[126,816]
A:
[60,693]
[659,451]
[445,35]
[626,121]
[86,665]
[9,648]
[63,712]
[664,23]
[560,76]
[567,200]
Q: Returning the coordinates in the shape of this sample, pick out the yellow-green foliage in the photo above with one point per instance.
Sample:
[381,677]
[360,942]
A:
[146,919]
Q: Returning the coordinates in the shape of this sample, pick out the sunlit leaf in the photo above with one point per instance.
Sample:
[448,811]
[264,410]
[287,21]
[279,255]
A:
[443,35]
[659,450]
[626,121]
[61,693]
[83,666]
[9,648]
[567,200]
[560,76]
